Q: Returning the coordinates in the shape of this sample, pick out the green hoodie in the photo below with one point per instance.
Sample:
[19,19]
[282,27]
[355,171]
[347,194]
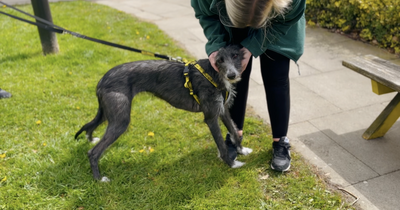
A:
[285,35]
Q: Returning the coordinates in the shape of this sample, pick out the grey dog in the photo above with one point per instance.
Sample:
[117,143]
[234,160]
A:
[165,79]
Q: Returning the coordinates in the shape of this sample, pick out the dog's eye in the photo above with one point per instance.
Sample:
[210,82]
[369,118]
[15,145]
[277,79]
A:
[221,60]
[234,56]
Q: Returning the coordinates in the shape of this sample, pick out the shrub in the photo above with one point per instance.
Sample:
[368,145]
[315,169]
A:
[375,21]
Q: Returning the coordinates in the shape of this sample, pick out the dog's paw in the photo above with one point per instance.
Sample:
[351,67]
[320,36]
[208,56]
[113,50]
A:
[105,179]
[237,164]
[95,140]
[246,151]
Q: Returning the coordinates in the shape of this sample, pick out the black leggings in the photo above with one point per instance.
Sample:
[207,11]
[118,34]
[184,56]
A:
[275,74]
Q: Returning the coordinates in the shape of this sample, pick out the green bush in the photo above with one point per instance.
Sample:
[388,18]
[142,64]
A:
[375,21]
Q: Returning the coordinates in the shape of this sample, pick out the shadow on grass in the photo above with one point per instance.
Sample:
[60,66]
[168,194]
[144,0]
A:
[20,57]
[143,180]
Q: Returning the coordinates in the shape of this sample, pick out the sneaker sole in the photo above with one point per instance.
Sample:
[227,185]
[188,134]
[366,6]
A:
[286,169]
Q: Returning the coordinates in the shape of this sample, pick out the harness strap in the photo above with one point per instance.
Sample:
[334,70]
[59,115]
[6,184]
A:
[203,72]
[188,84]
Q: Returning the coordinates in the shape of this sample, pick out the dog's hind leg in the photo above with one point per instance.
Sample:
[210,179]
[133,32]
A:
[212,121]
[230,125]
[117,111]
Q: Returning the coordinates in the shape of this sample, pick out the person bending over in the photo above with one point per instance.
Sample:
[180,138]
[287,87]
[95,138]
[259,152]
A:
[272,30]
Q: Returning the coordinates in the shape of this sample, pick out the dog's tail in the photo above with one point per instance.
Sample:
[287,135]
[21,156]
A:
[92,125]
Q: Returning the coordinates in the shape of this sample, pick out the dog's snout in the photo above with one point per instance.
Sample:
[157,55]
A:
[231,76]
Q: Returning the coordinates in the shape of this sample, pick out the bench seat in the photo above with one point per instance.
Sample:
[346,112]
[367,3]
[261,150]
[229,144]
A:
[385,78]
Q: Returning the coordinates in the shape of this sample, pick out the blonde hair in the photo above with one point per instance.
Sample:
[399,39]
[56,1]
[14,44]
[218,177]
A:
[254,13]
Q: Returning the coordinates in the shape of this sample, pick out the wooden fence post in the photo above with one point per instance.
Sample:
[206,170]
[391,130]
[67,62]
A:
[48,39]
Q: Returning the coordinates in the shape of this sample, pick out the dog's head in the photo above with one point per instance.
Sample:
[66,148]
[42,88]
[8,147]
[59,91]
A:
[229,63]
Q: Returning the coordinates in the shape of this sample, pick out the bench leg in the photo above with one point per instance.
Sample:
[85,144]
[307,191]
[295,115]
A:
[385,120]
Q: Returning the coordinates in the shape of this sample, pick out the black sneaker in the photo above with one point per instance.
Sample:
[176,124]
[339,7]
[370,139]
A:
[281,155]
[4,94]
[232,152]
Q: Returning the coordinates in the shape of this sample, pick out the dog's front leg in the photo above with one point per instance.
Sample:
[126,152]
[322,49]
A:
[213,125]
[230,125]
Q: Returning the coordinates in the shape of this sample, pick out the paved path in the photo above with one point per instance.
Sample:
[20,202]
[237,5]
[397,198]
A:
[331,105]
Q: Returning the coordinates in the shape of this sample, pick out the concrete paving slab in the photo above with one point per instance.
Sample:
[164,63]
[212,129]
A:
[308,105]
[256,72]
[383,191]
[176,23]
[323,39]
[336,179]
[304,68]
[256,99]
[344,163]
[124,8]
[197,50]
[188,36]
[344,88]
[180,2]
[324,58]
[379,153]
[198,33]
[318,37]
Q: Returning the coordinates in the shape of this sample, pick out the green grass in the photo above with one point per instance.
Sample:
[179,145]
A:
[43,167]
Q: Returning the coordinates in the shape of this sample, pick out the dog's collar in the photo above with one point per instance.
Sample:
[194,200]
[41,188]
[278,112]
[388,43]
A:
[189,86]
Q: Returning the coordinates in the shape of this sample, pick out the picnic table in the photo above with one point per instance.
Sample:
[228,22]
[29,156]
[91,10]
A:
[385,78]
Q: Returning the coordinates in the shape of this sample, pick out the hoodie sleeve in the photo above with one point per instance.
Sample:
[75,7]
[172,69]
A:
[213,29]
[258,41]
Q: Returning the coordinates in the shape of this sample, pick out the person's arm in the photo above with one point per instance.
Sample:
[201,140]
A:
[279,27]
[212,26]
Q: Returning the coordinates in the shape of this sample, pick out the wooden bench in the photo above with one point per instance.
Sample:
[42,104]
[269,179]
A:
[385,78]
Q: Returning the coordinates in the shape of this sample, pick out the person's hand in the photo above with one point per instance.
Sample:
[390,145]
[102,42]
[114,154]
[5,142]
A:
[246,58]
[211,58]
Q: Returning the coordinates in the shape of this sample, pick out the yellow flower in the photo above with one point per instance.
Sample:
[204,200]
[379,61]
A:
[3,155]
[151,149]
[4,6]
[38,122]
[142,150]
[44,144]
[137,32]
[4,179]
[78,107]
[151,134]
[147,37]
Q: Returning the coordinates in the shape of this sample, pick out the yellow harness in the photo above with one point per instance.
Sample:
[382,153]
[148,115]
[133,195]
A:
[188,84]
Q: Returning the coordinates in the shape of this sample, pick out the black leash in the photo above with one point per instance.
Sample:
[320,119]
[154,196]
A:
[47,25]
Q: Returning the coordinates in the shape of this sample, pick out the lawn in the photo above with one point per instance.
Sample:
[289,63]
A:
[167,159]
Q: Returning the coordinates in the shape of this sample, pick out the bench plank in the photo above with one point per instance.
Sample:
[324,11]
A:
[385,78]
[376,69]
